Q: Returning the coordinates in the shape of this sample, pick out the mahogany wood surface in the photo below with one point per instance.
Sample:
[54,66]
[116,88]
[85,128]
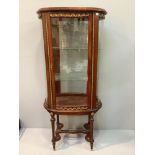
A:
[75,9]
[51,59]
[94,58]
[71,100]
[48,75]
[90,48]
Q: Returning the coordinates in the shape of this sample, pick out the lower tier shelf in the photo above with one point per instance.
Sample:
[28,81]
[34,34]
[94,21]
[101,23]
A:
[72,105]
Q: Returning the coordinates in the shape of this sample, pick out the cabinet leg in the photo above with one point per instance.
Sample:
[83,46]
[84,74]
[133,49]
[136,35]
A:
[87,127]
[59,125]
[53,129]
[91,130]
[58,119]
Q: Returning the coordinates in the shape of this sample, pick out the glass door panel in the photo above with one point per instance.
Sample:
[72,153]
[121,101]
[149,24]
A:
[70,50]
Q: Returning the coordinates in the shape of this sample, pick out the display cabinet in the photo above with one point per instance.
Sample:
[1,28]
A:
[71,51]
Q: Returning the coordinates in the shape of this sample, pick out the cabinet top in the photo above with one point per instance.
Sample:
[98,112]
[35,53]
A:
[72,9]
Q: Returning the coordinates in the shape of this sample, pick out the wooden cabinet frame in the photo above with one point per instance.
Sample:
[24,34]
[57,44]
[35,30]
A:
[51,103]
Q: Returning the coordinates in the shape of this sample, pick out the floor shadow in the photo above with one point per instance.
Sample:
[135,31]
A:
[106,138]
[68,140]
[103,139]
[21,132]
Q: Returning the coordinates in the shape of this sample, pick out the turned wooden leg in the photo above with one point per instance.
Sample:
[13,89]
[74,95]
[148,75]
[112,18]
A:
[59,125]
[91,130]
[58,120]
[53,129]
[87,125]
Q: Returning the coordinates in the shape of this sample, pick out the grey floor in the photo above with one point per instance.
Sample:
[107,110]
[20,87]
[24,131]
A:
[37,141]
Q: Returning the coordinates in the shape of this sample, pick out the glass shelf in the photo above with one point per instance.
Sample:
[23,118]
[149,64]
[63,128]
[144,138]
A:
[75,76]
[67,48]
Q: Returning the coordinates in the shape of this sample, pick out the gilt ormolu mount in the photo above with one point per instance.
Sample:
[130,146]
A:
[71,51]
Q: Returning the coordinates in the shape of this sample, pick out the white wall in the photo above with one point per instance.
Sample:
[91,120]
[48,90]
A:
[116,64]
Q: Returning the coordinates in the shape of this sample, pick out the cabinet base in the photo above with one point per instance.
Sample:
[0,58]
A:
[56,132]
[57,126]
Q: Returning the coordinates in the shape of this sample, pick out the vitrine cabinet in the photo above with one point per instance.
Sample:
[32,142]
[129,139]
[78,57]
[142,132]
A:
[71,51]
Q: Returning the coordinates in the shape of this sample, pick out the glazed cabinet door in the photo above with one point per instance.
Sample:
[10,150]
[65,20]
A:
[71,48]
[70,57]
[70,53]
